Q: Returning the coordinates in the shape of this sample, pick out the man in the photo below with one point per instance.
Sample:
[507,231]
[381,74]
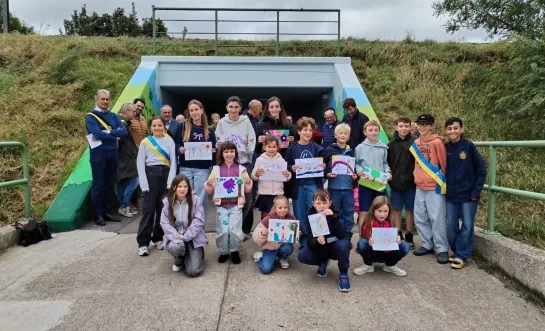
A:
[106,127]
[171,124]
[127,174]
[139,126]
[254,115]
[328,129]
[180,118]
[356,120]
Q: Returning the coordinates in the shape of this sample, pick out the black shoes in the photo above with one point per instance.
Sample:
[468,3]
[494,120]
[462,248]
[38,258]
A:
[100,221]
[235,257]
[111,218]
[223,258]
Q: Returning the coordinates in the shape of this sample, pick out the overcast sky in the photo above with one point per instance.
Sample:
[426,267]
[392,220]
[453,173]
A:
[370,19]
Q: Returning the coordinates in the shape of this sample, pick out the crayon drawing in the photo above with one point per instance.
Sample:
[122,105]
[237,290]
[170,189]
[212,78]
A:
[374,179]
[385,239]
[309,168]
[282,136]
[343,165]
[318,225]
[237,139]
[227,187]
[283,231]
[273,170]
[198,150]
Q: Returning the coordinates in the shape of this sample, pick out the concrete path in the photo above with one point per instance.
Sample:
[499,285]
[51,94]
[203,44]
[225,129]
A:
[94,280]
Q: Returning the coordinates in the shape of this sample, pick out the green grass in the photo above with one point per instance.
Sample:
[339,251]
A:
[47,83]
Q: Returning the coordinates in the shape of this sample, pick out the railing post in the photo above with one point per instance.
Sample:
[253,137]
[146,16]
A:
[154,30]
[277,32]
[26,175]
[491,193]
[216,33]
[339,33]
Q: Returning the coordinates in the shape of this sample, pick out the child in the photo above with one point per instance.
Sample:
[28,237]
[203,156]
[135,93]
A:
[268,189]
[229,210]
[271,250]
[402,185]
[466,173]
[429,203]
[379,217]
[215,119]
[341,186]
[303,189]
[414,130]
[156,165]
[333,246]
[182,221]
[371,153]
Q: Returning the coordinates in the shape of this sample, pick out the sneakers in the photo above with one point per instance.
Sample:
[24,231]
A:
[158,245]
[344,283]
[422,251]
[235,257]
[457,263]
[395,270]
[125,211]
[363,269]
[409,239]
[451,259]
[223,258]
[284,264]
[322,270]
[143,251]
[257,256]
[442,258]
[176,268]
[133,211]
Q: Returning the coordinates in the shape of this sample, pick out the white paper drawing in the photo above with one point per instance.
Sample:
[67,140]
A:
[318,225]
[236,138]
[198,150]
[227,187]
[385,239]
[308,168]
[273,170]
[343,165]
[93,143]
[283,231]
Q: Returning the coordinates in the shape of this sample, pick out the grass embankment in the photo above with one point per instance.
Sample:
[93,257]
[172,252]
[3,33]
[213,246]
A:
[47,83]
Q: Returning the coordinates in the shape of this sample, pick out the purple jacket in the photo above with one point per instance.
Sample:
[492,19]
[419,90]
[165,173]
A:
[195,232]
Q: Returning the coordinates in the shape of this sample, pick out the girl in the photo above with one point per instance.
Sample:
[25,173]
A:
[274,118]
[268,189]
[379,217]
[271,250]
[156,165]
[195,129]
[182,221]
[334,246]
[229,214]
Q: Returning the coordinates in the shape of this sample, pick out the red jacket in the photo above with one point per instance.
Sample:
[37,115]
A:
[367,227]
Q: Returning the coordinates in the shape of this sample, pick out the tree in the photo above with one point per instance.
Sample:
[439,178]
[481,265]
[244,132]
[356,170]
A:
[501,18]
[15,23]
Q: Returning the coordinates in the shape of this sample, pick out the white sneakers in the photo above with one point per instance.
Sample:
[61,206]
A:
[143,251]
[395,270]
[176,268]
[257,256]
[158,245]
[284,264]
[127,211]
[364,269]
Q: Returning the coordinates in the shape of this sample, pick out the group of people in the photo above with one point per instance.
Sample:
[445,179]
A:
[436,183]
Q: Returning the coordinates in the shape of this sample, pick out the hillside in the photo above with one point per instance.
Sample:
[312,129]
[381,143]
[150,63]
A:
[47,83]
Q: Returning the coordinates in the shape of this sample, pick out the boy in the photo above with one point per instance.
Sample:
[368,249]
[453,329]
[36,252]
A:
[402,186]
[373,154]
[429,203]
[466,173]
[303,190]
[341,186]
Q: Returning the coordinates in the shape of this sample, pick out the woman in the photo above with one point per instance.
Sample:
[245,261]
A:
[274,118]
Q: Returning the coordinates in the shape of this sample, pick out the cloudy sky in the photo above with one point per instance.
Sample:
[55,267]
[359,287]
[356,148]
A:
[370,19]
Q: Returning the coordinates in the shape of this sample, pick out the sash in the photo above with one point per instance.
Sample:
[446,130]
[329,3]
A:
[432,171]
[104,125]
[157,150]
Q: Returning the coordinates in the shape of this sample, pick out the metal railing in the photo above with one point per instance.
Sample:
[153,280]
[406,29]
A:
[217,33]
[26,173]
[493,189]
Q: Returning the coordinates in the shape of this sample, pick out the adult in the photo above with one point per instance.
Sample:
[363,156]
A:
[234,125]
[356,120]
[171,124]
[274,117]
[254,115]
[106,127]
[180,118]
[139,126]
[127,174]
[328,129]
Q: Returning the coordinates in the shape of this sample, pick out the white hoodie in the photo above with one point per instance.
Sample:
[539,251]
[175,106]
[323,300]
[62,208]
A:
[241,127]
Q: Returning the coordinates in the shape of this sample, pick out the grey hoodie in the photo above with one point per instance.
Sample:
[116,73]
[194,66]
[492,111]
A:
[242,126]
[373,156]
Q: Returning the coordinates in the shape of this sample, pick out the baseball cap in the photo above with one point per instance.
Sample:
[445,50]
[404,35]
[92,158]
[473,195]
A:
[425,118]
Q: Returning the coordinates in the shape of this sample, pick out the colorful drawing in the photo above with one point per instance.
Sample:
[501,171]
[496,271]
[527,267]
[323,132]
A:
[282,136]
[308,168]
[385,239]
[343,165]
[374,179]
[198,151]
[237,139]
[318,225]
[283,231]
[273,170]
[227,187]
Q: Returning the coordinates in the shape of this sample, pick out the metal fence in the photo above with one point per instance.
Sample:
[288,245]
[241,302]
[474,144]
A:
[25,181]
[217,34]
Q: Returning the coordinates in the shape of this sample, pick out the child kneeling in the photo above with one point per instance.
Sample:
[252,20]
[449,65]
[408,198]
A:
[271,250]
[379,216]
[333,246]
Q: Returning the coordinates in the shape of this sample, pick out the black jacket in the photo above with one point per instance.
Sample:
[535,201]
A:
[356,124]
[127,155]
[401,162]
[336,229]
[271,124]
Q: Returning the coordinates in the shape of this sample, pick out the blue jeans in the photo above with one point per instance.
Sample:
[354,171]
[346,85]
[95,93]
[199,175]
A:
[197,178]
[390,258]
[344,201]
[461,239]
[104,170]
[338,250]
[266,262]
[301,206]
[125,190]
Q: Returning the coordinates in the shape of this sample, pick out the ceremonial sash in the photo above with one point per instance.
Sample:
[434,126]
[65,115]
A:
[433,171]
[106,126]
[157,150]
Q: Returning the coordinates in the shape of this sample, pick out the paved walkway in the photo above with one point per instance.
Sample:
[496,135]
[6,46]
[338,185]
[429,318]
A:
[94,280]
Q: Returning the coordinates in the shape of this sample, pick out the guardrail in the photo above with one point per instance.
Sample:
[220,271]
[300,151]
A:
[217,33]
[26,173]
[491,186]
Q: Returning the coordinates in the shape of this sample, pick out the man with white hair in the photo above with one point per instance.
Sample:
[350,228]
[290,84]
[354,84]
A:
[171,124]
[106,127]
[180,118]
[328,129]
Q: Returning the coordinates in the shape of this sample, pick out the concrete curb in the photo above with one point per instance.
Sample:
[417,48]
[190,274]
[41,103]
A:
[521,261]
[8,237]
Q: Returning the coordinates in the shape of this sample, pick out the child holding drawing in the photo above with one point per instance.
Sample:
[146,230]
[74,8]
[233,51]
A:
[268,189]
[332,246]
[379,216]
[272,250]
[229,208]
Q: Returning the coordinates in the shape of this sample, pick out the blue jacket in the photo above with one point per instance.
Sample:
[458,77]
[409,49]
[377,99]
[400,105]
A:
[109,140]
[173,128]
[339,182]
[328,132]
[466,172]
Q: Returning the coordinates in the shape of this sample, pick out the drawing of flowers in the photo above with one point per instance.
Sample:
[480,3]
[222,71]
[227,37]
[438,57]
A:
[229,185]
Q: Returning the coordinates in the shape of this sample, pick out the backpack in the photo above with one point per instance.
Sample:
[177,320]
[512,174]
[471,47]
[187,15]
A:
[32,232]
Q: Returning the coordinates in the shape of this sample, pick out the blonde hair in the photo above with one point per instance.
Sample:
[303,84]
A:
[371,123]
[189,121]
[342,127]
[376,204]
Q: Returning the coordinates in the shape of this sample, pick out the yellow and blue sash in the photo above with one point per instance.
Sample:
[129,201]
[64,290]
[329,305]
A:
[157,150]
[432,171]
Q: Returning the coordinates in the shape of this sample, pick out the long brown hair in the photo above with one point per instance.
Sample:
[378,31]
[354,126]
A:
[189,121]
[282,115]
[172,198]
[226,145]
[376,204]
